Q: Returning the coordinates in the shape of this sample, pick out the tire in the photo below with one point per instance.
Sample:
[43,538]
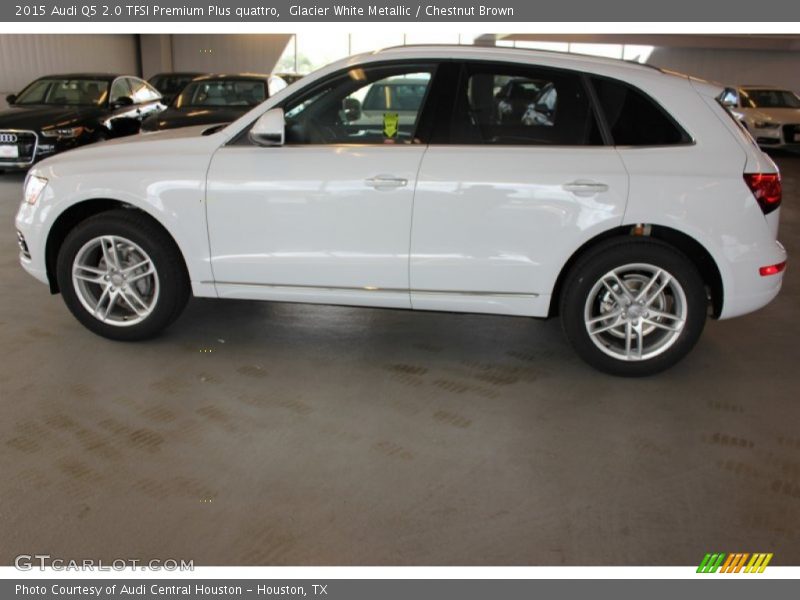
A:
[103,265]
[640,329]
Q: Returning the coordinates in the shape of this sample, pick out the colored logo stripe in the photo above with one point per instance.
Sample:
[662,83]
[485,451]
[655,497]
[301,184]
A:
[711,563]
[734,562]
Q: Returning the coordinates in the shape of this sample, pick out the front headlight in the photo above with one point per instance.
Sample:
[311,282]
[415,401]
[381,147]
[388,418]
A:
[34,186]
[766,125]
[63,133]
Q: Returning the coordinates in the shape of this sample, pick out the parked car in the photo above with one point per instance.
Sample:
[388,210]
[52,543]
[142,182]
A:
[515,96]
[289,78]
[215,99]
[771,115]
[402,96]
[170,85]
[60,112]
[542,111]
[639,210]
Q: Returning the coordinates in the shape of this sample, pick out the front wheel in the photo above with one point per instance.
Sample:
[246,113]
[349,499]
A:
[633,307]
[122,276]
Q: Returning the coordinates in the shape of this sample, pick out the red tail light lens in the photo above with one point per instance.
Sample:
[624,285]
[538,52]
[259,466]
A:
[766,188]
[772,269]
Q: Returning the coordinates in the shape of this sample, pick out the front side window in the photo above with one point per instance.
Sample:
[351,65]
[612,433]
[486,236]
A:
[141,91]
[523,105]
[633,118]
[65,92]
[373,105]
[120,89]
[209,93]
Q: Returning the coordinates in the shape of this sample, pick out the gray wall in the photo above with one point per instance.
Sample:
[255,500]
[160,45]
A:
[733,67]
[209,53]
[23,58]
[227,53]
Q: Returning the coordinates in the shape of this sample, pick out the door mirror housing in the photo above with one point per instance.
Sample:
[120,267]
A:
[351,109]
[269,129]
[11,98]
[122,101]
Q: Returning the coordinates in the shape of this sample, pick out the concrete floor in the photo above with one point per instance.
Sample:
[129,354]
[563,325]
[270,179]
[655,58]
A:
[266,434]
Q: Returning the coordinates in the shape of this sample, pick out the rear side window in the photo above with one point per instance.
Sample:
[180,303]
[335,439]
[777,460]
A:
[517,105]
[633,118]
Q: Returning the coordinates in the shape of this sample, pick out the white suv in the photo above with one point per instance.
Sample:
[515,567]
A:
[635,209]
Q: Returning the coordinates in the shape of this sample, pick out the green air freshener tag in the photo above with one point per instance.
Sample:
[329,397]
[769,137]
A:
[390,124]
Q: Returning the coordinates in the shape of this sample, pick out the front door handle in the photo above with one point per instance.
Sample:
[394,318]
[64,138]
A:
[583,187]
[386,182]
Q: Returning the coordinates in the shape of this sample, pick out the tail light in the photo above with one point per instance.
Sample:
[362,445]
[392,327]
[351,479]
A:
[766,188]
[772,269]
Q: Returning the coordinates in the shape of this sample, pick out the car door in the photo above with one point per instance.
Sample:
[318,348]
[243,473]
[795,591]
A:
[326,217]
[505,197]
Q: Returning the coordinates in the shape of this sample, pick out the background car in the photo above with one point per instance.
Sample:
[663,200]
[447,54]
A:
[289,78]
[170,85]
[215,99]
[514,97]
[59,112]
[363,111]
[771,115]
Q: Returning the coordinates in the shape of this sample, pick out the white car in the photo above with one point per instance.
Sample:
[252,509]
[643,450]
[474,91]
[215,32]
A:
[771,115]
[637,210]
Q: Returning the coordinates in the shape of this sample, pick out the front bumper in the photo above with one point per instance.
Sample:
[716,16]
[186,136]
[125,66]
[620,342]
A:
[31,241]
[34,147]
[784,137]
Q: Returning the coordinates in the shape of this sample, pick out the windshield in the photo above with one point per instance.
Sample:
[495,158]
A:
[770,99]
[65,92]
[222,93]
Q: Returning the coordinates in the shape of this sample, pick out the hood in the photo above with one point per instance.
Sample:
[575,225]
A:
[173,117]
[38,116]
[779,115]
[145,151]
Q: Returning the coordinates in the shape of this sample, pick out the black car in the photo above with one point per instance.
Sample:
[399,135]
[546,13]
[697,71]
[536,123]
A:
[170,85]
[59,112]
[214,99]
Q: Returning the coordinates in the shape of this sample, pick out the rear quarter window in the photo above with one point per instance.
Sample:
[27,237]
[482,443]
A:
[635,119]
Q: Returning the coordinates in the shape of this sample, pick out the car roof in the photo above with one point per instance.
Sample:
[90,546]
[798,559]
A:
[232,76]
[168,73]
[101,76]
[464,51]
[775,88]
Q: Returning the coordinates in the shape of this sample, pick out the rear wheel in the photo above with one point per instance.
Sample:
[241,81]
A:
[122,276]
[633,307]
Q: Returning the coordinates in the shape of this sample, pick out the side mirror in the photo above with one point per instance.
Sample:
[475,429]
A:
[351,109]
[11,98]
[122,101]
[269,129]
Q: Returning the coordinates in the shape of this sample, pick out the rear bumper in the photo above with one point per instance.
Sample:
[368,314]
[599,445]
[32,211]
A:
[748,290]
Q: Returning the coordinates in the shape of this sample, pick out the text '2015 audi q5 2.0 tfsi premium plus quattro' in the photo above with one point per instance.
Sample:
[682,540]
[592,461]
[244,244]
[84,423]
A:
[624,200]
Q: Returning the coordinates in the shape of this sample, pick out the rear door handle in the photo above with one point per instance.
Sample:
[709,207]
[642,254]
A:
[583,187]
[386,182]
